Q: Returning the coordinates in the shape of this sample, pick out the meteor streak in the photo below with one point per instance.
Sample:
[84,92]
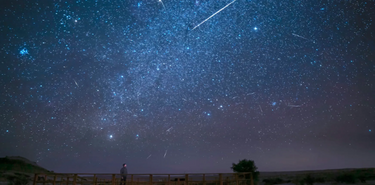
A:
[76,83]
[214,14]
[162,3]
[296,35]
[168,130]
[294,106]
[299,36]
[165,154]
[260,108]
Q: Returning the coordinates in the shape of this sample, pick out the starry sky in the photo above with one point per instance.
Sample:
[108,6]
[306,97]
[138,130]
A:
[87,85]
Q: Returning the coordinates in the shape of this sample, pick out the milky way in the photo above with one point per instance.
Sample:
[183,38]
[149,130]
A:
[94,84]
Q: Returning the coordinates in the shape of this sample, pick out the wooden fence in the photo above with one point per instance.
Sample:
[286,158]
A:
[144,179]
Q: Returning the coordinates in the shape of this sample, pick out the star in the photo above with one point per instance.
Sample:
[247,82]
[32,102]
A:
[24,51]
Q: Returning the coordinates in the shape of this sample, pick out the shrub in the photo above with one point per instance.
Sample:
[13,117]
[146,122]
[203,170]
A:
[362,179]
[18,179]
[273,181]
[298,181]
[320,180]
[309,180]
[346,178]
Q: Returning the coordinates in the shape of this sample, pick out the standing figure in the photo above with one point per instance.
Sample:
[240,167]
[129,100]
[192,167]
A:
[124,173]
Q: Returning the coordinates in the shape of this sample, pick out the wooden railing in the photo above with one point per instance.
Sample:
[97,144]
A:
[144,179]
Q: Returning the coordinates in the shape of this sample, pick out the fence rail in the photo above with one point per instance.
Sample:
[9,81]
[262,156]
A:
[144,179]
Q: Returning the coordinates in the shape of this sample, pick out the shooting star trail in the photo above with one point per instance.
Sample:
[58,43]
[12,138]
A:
[299,36]
[214,14]
[165,154]
[294,106]
[149,156]
[76,83]
[168,130]
[260,108]
[162,3]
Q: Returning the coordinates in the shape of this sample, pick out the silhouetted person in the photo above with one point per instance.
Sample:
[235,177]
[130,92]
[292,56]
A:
[124,173]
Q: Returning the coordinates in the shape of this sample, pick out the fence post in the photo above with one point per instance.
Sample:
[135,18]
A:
[221,178]
[54,180]
[150,179]
[35,179]
[131,179]
[113,179]
[236,176]
[251,179]
[186,179]
[169,179]
[204,179]
[44,180]
[94,179]
[150,183]
[75,179]
[67,180]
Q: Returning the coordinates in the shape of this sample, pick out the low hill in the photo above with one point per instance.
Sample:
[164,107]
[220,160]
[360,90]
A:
[16,170]
[20,164]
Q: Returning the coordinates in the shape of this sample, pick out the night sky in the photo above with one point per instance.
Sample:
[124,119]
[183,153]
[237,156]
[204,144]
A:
[87,85]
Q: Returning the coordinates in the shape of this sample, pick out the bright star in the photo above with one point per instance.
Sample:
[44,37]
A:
[110,136]
[255,28]
[24,51]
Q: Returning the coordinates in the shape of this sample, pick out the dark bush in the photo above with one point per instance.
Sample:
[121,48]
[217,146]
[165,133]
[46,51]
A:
[273,181]
[346,178]
[18,179]
[320,180]
[298,181]
[309,180]
[362,178]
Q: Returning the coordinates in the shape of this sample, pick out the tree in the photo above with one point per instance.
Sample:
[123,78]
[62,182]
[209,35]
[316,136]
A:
[246,166]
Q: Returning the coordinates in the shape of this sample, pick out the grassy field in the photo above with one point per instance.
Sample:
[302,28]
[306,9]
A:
[336,176]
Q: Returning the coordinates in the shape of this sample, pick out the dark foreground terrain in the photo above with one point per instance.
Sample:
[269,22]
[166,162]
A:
[20,171]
